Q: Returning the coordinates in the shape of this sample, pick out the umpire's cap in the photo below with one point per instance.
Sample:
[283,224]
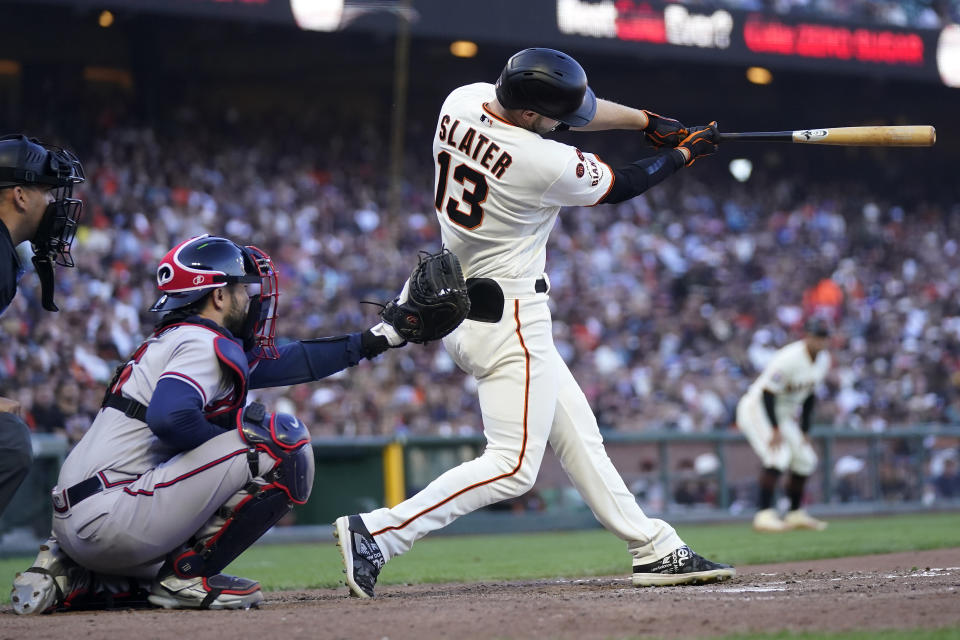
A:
[550,83]
[26,160]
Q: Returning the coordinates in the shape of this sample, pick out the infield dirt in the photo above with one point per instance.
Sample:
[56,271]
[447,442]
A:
[896,591]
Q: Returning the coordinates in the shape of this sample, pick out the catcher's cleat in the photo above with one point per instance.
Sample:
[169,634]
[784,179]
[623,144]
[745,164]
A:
[800,519]
[767,521]
[362,558]
[682,566]
[218,591]
[53,580]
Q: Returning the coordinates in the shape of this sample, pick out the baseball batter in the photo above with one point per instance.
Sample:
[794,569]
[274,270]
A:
[176,477]
[499,189]
[768,416]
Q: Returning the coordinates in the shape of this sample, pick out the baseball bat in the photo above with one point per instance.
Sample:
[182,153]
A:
[881,136]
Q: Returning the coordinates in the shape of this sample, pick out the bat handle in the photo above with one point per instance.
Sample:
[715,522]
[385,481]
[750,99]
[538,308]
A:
[777,136]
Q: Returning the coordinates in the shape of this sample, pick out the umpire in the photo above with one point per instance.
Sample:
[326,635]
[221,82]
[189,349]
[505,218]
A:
[36,204]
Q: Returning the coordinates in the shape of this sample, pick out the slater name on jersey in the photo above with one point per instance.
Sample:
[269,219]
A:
[476,145]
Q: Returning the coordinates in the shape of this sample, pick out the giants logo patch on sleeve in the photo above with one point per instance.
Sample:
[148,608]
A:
[580,170]
[595,171]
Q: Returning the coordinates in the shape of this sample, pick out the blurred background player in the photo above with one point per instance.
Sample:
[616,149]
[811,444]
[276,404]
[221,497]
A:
[775,416]
[36,204]
[500,187]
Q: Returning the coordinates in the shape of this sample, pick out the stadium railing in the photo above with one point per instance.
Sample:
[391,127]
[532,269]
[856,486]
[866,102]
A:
[682,477]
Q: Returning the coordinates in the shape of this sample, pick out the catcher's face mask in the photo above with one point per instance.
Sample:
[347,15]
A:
[260,327]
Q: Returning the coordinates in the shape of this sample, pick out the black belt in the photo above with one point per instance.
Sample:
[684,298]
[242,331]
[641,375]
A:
[486,298]
[77,494]
[130,407]
[83,490]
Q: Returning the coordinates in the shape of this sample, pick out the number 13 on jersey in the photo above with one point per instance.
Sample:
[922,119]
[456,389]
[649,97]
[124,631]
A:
[473,194]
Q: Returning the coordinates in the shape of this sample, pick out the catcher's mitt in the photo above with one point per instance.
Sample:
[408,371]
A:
[433,303]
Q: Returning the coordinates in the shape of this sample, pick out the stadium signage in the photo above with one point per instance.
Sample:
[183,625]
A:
[649,28]
[634,21]
[763,35]
[639,22]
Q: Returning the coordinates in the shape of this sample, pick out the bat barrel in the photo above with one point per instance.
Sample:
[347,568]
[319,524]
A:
[886,136]
[880,136]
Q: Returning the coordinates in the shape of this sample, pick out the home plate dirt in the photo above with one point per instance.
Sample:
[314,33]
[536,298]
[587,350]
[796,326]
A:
[895,591]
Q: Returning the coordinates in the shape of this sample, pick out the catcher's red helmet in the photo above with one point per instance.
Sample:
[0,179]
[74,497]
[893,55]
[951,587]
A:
[199,265]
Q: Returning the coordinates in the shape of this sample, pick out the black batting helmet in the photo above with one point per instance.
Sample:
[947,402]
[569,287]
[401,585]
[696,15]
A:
[550,83]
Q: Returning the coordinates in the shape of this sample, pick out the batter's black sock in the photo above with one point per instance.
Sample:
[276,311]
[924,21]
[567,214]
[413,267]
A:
[795,485]
[768,485]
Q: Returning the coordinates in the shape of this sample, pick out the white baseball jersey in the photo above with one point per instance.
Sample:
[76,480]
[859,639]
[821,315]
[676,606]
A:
[500,187]
[791,375]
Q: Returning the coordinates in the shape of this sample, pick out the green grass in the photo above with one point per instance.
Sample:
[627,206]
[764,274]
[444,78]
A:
[581,553]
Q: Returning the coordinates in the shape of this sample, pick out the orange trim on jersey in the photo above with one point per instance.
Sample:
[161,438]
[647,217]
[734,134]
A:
[493,115]
[613,178]
[523,446]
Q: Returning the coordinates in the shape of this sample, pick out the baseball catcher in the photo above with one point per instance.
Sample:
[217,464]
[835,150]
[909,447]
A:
[178,475]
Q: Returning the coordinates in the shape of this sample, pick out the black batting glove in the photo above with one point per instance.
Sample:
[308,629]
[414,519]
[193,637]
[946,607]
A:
[664,132]
[702,141]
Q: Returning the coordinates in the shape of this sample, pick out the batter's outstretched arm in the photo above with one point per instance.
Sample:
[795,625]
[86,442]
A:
[635,178]
[611,115]
[661,131]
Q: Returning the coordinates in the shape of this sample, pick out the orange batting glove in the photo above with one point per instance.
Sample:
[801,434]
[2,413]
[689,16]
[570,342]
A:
[662,131]
[701,142]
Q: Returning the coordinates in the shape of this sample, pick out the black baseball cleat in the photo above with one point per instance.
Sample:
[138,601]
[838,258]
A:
[682,566]
[362,558]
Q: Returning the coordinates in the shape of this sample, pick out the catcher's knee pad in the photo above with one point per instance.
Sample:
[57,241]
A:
[288,482]
[285,439]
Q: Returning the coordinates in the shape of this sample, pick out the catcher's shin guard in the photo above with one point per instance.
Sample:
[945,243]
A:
[251,512]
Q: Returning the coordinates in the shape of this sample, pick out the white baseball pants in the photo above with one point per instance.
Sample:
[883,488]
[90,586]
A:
[794,453]
[528,397]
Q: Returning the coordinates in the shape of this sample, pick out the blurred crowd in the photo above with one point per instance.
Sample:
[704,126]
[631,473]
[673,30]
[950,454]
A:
[665,307]
[923,14]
